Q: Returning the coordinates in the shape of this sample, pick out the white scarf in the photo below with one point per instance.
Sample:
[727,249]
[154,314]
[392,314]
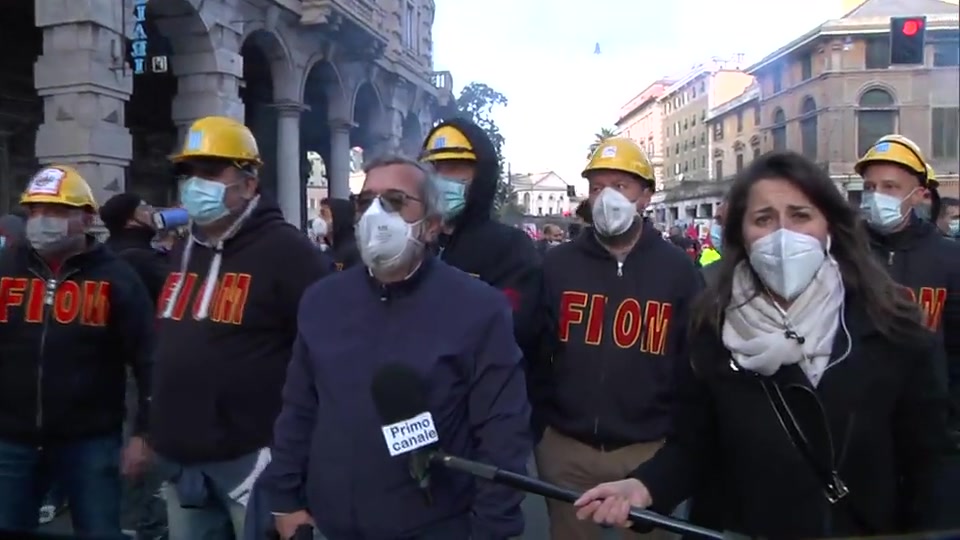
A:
[755,330]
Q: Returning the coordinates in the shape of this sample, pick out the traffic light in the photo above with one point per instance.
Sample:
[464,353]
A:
[907,38]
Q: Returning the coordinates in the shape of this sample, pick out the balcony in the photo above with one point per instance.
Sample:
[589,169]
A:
[365,14]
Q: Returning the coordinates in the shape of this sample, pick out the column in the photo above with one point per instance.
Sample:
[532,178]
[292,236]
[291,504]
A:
[289,183]
[84,86]
[339,167]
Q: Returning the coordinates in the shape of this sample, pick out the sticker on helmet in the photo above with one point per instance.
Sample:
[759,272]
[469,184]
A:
[194,140]
[46,182]
[440,142]
[882,147]
[608,151]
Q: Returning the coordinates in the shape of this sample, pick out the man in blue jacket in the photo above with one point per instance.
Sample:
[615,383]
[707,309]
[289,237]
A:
[330,464]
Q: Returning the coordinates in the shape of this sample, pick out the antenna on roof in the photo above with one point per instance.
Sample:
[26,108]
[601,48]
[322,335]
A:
[596,48]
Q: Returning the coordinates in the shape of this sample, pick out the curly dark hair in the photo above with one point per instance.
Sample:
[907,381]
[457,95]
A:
[890,310]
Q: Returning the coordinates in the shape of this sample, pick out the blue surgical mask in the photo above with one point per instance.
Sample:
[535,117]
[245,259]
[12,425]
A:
[453,192]
[716,236]
[203,200]
[882,211]
[923,212]
[954,227]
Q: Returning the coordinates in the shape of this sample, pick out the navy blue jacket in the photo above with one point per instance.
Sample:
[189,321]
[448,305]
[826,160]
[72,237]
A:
[457,332]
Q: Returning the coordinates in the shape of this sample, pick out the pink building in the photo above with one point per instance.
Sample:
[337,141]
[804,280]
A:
[641,120]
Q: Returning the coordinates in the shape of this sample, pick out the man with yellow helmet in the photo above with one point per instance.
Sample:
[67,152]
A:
[615,303]
[73,317]
[227,312]
[896,177]
[468,173]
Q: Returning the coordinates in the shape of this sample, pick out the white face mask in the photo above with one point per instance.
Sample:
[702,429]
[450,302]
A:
[318,229]
[51,234]
[385,240]
[613,212]
[787,261]
[882,211]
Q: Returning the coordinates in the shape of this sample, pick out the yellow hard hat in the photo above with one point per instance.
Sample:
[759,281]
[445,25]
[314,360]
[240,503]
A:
[221,138]
[448,143]
[896,149]
[620,154]
[59,184]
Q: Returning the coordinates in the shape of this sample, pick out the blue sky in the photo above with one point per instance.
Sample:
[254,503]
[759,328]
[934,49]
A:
[540,55]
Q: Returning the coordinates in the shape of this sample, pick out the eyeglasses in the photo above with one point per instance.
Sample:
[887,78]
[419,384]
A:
[393,200]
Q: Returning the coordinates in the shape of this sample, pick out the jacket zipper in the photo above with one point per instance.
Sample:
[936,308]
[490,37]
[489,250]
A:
[50,291]
[603,373]
[890,258]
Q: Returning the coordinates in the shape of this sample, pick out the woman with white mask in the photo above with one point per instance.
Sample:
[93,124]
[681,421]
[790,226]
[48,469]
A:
[810,407]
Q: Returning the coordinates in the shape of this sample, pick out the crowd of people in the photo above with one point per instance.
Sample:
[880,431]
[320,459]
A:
[795,374]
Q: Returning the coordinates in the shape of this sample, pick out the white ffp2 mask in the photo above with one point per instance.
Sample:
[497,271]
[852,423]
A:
[385,240]
[787,261]
[613,213]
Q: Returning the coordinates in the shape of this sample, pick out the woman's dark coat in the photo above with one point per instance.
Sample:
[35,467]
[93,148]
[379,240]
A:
[885,412]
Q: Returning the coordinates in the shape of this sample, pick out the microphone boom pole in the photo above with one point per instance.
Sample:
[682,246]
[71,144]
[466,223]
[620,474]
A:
[551,491]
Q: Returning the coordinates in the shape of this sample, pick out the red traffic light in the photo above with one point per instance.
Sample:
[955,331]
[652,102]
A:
[911,27]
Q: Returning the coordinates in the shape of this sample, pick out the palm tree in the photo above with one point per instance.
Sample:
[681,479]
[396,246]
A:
[598,139]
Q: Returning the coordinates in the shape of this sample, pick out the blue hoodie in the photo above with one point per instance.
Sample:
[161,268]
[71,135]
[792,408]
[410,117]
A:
[457,332]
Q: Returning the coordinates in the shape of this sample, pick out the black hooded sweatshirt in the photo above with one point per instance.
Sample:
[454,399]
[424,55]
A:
[613,335]
[928,265]
[501,255]
[343,243]
[218,378]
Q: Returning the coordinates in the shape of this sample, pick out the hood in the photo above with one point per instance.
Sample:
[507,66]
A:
[588,243]
[479,203]
[344,217]
[130,238]
[12,229]
[916,231]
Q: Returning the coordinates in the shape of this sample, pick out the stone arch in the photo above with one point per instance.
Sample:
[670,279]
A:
[368,116]
[779,116]
[412,134]
[808,106]
[176,21]
[876,95]
[276,50]
[319,69]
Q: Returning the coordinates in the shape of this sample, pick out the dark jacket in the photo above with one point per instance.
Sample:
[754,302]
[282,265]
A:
[882,427]
[328,444]
[63,363]
[133,246]
[11,230]
[343,243]
[928,265]
[218,380]
[614,334]
[498,254]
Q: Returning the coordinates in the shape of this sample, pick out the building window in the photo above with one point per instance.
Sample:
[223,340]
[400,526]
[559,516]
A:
[739,162]
[777,75]
[808,128]
[740,121]
[946,54]
[779,131]
[703,162]
[718,131]
[945,135]
[718,169]
[756,116]
[756,152]
[410,26]
[876,117]
[806,67]
[877,54]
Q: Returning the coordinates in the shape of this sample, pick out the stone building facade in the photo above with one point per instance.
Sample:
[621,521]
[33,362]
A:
[366,65]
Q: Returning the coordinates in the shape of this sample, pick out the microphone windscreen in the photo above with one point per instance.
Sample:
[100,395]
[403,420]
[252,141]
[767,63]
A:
[399,393]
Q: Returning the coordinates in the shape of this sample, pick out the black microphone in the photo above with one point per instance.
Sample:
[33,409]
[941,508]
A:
[400,396]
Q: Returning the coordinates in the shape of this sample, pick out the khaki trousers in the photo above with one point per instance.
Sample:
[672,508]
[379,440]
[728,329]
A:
[574,465]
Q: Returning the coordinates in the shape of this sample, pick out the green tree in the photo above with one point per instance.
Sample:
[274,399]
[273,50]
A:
[477,102]
[598,139]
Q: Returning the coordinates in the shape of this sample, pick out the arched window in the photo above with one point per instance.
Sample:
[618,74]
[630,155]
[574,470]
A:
[876,117]
[779,130]
[808,128]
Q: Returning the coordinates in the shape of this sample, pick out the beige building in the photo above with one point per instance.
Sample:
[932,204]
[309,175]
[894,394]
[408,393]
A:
[832,92]
[641,120]
[685,107]
[112,86]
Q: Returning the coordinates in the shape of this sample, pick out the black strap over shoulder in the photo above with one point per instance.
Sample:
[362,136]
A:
[834,489]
